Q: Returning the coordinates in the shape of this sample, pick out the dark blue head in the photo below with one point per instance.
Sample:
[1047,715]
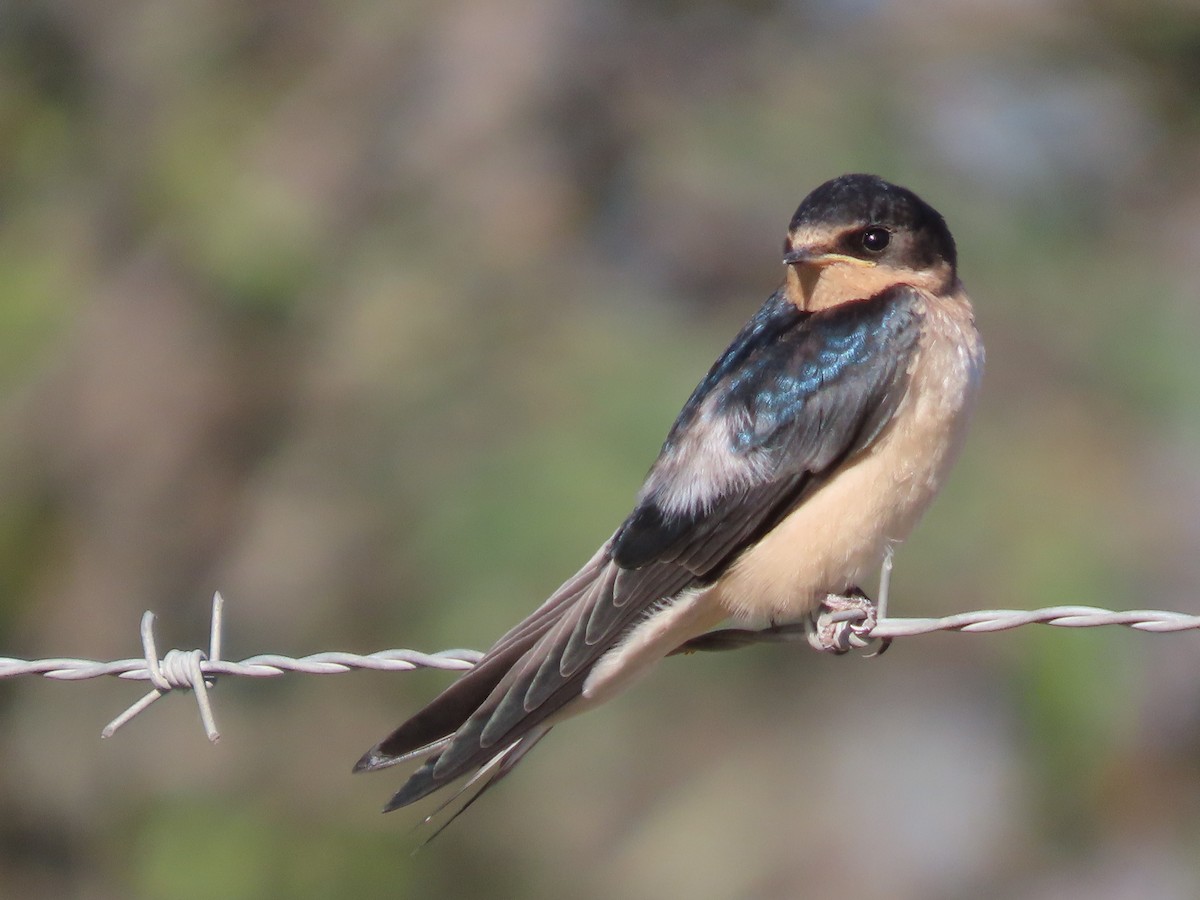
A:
[866,218]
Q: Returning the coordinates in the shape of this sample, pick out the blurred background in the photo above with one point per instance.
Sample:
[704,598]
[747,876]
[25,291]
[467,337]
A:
[372,315]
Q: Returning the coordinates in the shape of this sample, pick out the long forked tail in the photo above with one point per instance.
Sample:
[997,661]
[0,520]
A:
[482,725]
[451,730]
[485,778]
[432,729]
[435,725]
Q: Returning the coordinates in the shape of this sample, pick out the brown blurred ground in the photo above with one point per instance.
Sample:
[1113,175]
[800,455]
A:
[372,316]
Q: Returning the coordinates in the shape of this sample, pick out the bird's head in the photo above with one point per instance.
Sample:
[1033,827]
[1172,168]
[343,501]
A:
[857,235]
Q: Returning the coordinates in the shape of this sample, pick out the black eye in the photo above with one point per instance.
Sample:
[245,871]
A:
[875,239]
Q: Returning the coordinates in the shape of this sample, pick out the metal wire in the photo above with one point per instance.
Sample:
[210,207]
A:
[196,670]
[835,630]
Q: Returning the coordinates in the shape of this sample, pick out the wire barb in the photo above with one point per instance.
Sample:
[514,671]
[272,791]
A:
[846,628]
[177,671]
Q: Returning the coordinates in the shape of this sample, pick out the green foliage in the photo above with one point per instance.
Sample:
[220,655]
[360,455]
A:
[192,849]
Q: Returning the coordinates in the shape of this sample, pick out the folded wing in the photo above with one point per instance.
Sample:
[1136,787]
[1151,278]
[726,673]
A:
[794,396]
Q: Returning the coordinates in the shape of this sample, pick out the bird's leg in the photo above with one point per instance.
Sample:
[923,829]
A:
[842,622]
[845,621]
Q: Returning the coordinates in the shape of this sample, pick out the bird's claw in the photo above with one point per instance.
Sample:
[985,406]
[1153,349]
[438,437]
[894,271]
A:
[843,623]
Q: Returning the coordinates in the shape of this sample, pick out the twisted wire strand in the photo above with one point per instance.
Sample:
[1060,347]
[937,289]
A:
[196,670]
[848,630]
[266,665]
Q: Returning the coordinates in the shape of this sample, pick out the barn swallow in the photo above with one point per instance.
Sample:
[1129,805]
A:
[814,442]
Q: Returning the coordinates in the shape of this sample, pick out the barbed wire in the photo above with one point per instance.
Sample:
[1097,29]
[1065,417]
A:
[195,670]
[835,630]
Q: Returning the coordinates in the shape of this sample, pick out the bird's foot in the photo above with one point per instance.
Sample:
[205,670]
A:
[843,622]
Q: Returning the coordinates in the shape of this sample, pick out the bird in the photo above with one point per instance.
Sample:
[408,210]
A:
[813,445]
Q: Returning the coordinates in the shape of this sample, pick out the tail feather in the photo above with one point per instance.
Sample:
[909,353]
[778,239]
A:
[482,725]
[419,786]
[432,727]
[493,771]
[375,758]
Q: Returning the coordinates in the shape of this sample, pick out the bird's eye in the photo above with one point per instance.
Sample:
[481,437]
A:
[875,239]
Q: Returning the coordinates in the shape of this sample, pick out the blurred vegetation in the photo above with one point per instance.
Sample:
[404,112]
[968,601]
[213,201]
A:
[373,315]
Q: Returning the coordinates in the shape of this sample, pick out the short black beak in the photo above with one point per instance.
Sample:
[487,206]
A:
[821,256]
[803,255]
